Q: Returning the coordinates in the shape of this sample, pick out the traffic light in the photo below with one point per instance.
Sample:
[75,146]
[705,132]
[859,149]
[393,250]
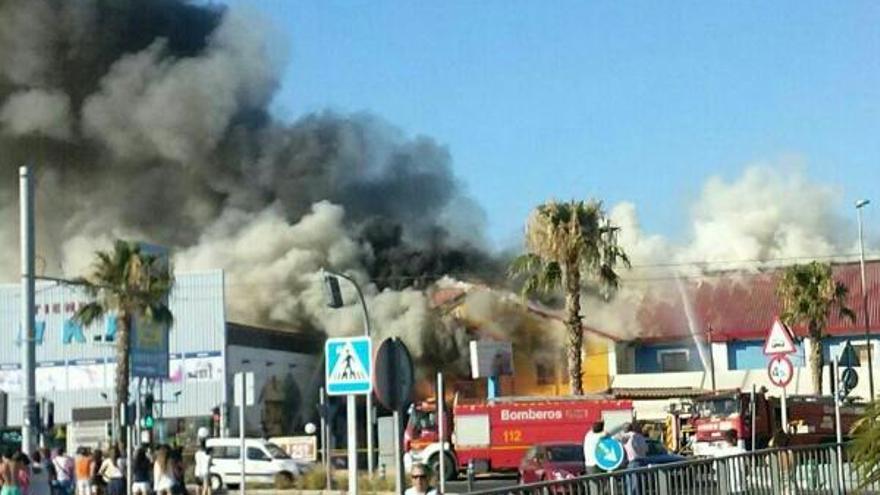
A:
[333,294]
[49,418]
[148,420]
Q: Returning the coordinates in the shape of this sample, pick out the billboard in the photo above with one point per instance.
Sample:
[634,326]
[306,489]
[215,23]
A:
[149,340]
[149,349]
[491,358]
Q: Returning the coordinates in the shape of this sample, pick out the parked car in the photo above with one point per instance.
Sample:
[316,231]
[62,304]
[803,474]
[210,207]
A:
[657,454]
[552,461]
[265,463]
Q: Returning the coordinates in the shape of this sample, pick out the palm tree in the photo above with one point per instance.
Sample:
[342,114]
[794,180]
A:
[808,293]
[126,283]
[567,243]
[865,448]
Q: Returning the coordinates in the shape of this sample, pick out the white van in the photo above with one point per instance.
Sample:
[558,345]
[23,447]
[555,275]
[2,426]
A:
[265,462]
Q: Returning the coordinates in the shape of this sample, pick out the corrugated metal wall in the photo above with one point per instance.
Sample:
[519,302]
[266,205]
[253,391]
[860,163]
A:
[74,373]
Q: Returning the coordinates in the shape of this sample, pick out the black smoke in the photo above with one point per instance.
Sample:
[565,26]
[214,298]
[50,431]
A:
[151,118]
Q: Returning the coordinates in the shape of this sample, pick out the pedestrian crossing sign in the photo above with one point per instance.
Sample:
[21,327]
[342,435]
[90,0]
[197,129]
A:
[348,367]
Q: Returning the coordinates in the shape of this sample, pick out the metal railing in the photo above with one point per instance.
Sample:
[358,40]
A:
[807,470]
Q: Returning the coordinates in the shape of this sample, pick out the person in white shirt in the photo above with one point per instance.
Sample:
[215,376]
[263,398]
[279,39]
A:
[591,440]
[419,475]
[203,468]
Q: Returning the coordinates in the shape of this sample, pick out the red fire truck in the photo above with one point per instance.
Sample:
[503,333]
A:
[495,434]
[810,419]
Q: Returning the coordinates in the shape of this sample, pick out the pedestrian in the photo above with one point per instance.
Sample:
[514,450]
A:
[9,468]
[203,468]
[591,441]
[419,474]
[163,482]
[141,473]
[23,471]
[81,467]
[96,481]
[62,465]
[112,472]
[40,477]
[781,441]
[178,471]
[636,448]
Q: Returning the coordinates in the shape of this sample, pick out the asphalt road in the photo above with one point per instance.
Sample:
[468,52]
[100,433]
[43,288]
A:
[481,483]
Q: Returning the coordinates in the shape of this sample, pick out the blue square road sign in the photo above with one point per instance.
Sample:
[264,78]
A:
[348,366]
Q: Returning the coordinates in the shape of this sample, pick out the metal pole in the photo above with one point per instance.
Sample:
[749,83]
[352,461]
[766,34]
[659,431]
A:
[711,358]
[242,377]
[754,409]
[784,410]
[128,458]
[325,448]
[399,485]
[28,310]
[367,332]
[837,426]
[351,406]
[114,422]
[441,429]
[137,410]
[859,206]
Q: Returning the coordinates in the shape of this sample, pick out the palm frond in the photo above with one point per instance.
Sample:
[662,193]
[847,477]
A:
[89,313]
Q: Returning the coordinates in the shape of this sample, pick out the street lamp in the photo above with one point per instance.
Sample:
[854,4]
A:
[334,300]
[859,205]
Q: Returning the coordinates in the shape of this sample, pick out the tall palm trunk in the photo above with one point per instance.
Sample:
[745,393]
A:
[816,357]
[123,346]
[572,281]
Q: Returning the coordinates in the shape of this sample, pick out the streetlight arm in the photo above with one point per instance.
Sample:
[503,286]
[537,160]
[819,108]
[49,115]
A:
[367,327]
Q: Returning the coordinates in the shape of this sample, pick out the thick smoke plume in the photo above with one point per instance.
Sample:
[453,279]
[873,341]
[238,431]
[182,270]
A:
[769,216]
[149,120]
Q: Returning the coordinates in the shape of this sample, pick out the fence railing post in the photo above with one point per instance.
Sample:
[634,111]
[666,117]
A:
[663,479]
[721,469]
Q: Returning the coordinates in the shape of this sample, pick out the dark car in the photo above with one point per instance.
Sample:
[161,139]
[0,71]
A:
[552,461]
[657,454]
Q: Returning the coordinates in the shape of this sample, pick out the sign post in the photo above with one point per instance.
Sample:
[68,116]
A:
[394,380]
[244,396]
[348,371]
[779,343]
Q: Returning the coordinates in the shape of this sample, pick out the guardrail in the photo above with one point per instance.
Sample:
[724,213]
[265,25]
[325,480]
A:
[808,470]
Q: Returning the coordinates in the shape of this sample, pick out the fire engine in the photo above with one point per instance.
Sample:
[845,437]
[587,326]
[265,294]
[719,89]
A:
[494,434]
[810,419]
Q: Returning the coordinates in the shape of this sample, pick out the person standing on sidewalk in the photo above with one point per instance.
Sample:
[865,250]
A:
[591,441]
[203,468]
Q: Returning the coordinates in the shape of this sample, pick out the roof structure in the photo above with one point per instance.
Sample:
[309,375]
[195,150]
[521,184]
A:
[743,306]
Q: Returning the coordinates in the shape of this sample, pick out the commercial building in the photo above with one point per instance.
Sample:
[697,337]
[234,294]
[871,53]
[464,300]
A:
[721,345]
[76,365]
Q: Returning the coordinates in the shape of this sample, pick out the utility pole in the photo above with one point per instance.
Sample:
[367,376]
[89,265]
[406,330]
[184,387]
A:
[334,303]
[28,309]
[859,205]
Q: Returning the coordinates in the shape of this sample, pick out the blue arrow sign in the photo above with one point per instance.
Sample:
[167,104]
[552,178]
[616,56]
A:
[609,454]
[348,366]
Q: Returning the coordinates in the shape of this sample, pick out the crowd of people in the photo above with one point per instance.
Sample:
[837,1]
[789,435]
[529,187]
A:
[158,471]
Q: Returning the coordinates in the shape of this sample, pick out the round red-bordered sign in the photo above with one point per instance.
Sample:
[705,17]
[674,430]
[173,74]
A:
[780,370]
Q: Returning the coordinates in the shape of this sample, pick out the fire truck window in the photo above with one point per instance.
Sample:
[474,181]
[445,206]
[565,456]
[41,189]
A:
[718,407]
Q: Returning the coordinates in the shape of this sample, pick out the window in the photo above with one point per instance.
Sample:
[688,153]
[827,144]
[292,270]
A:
[226,453]
[255,454]
[545,373]
[673,360]
[862,353]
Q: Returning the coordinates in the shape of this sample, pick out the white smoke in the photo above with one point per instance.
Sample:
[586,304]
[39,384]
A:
[771,214]
[37,111]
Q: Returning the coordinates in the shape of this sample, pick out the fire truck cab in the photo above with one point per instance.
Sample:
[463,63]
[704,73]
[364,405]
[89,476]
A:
[810,419]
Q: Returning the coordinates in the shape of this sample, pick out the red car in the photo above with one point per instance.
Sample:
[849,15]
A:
[552,461]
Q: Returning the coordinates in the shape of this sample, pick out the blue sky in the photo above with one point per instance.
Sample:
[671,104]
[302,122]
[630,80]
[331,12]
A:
[636,101]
